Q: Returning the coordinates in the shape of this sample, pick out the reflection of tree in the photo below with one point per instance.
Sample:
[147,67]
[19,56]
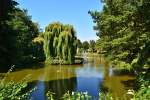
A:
[63,82]
[57,79]
[106,70]
[106,76]
[103,88]
[60,87]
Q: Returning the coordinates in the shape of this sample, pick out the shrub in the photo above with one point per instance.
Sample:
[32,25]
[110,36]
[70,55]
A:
[13,91]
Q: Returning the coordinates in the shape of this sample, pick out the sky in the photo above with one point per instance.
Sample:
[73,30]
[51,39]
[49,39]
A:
[74,12]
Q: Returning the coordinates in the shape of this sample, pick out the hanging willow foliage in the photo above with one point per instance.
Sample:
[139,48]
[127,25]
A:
[60,42]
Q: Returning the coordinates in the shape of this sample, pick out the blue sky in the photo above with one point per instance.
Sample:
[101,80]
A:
[74,12]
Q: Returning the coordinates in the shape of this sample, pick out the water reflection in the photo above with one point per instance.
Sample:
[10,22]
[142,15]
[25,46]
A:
[89,79]
[39,93]
[59,87]
[95,76]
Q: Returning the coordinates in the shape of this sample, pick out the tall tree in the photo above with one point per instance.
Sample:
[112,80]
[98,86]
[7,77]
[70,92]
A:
[17,31]
[7,35]
[26,30]
[79,44]
[123,30]
[85,45]
[92,45]
[60,42]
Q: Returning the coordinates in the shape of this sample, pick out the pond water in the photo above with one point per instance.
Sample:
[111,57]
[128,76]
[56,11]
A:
[92,77]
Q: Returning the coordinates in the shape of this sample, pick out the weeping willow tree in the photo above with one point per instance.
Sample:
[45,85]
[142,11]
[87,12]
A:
[60,42]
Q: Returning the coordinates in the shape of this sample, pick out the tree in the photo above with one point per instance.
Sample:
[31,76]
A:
[26,30]
[85,45]
[92,45]
[17,31]
[79,44]
[60,42]
[123,30]
[7,35]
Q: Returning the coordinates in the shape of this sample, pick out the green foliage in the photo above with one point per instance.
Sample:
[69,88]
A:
[92,45]
[105,96]
[13,91]
[85,45]
[79,44]
[50,95]
[70,96]
[76,96]
[26,31]
[17,31]
[144,79]
[60,43]
[7,40]
[123,30]
[142,94]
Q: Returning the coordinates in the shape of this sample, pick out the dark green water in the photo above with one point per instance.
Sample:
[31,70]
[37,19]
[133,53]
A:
[92,77]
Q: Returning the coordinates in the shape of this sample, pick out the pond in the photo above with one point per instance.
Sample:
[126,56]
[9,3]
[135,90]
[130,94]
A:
[92,77]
